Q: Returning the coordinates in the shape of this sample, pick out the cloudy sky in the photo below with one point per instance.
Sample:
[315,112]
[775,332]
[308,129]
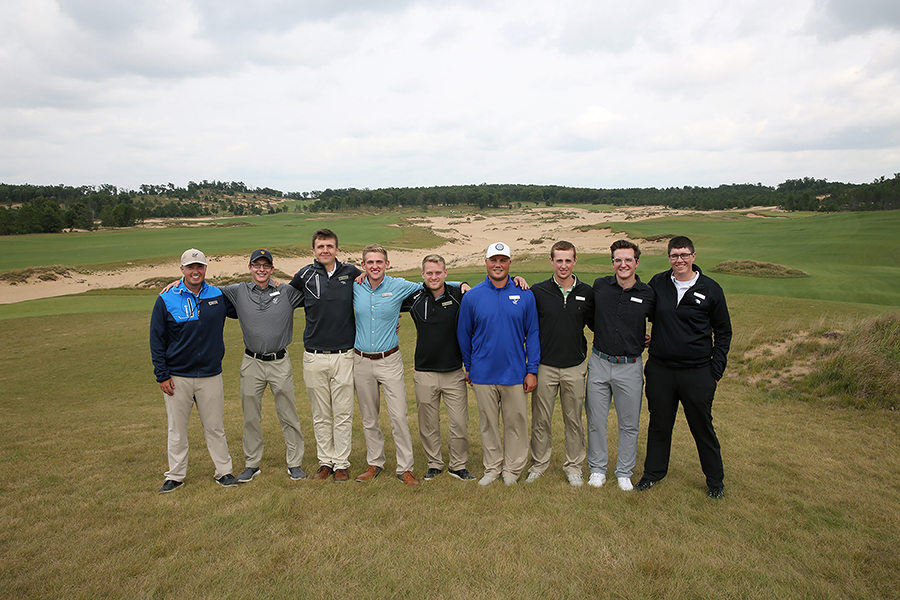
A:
[302,95]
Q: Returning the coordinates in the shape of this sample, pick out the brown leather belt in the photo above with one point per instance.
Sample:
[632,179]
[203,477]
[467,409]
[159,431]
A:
[378,355]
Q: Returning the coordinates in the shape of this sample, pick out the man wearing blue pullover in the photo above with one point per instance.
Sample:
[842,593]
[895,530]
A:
[499,340]
[186,347]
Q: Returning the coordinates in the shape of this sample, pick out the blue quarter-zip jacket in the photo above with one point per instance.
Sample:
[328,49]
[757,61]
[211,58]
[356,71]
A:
[498,334]
[186,332]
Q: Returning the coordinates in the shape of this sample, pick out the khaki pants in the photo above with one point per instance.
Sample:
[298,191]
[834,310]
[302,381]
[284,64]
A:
[329,385]
[569,383]
[209,396]
[279,376]
[509,455]
[430,387]
[370,375]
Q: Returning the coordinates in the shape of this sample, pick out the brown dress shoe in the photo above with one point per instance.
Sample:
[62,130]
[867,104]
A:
[408,479]
[370,473]
[323,472]
[341,475]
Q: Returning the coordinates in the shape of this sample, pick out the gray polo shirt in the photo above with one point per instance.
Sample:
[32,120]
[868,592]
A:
[266,315]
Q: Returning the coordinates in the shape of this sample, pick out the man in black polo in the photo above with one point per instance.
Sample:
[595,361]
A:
[439,371]
[565,305]
[327,288]
[688,354]
[622,304]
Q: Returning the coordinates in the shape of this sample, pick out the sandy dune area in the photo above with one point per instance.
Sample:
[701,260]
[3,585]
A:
[530,233]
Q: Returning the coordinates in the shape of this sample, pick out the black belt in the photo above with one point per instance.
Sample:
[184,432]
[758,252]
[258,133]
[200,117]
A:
[378,355]
[329,351]
[270,356]
[616,359]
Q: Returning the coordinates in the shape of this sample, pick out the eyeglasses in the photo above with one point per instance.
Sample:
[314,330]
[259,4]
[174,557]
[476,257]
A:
[263,266]
[684,257]
[619,261]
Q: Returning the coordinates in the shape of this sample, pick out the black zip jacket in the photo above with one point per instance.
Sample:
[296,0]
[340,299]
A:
[694,333]
[328,302]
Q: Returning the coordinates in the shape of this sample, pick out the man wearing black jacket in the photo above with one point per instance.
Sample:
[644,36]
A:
[565,305]
[688,353]
[327,288]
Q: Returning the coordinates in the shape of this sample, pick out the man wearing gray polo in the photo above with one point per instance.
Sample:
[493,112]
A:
[266,313]
[622,303]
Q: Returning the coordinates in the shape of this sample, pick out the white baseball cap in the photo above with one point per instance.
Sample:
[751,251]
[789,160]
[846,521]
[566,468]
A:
[192,256]
[498,249]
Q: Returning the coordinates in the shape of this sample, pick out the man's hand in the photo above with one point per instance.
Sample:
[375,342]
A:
[168,387]
[469,381]
[530,382]
[646,340]
[520,282]
[464,287]
[360,278]
[169,287]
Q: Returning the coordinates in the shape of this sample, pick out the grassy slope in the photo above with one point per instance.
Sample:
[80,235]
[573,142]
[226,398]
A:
[813,508]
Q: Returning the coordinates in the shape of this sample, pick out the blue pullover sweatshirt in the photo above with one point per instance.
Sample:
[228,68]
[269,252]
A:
[186,332]
[498,334]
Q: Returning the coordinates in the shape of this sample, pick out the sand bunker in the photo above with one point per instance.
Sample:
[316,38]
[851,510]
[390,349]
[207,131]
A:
[529,232]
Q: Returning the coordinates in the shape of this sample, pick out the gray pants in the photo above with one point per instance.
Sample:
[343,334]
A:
[623,382]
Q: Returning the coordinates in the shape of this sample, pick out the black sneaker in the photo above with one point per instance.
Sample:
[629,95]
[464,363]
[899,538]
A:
[643,485]
[248,474]
[296,473]
[462,474]
[170,485]
[432,473]
[227,480]
[716,493]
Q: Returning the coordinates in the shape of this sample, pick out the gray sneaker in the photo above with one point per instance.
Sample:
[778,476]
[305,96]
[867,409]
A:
[228,480]
[247,474]
[296,473]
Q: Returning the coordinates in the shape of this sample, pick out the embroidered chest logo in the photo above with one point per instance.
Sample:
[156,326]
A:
[515,299]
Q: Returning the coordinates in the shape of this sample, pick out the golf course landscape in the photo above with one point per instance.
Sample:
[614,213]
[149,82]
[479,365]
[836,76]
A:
[806,414]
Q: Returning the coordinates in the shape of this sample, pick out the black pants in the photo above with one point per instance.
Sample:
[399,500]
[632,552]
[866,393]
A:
[694,388]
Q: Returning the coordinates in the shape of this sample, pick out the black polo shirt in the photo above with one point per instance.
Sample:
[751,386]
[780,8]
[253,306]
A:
[437,348]
[620,316]
[562,320]
[328,302]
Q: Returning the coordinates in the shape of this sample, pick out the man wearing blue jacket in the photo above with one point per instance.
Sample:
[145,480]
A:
[499,340]
[186,347]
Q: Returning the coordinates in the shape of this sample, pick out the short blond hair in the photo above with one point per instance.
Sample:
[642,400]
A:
[374,248]
[435,258]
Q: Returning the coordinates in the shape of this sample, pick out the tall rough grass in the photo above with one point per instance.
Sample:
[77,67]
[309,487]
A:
[863,368]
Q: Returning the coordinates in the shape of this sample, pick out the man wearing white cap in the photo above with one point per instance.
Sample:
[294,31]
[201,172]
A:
[186,347]
[499,339]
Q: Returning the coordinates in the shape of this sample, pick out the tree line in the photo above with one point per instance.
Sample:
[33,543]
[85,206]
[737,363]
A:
[50,209]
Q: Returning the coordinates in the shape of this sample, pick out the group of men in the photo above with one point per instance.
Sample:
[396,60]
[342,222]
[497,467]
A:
[502,338]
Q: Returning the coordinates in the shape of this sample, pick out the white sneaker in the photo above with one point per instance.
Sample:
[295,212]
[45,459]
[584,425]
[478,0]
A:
[510,480]
[487,480]
[575,479]
[625,484]
[597,479]
[532,477]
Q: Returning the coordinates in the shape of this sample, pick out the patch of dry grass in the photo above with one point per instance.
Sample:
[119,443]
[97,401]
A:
[755,268]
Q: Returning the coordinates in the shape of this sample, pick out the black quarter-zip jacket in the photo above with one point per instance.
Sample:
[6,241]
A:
[696,331]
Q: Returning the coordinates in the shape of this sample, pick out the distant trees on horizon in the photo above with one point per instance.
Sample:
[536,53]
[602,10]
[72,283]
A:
[50,209]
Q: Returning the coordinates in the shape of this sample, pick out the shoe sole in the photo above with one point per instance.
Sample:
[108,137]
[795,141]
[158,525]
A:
[462,478]
[227,485]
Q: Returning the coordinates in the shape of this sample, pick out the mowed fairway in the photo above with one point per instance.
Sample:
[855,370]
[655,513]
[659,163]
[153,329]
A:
[813,491]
